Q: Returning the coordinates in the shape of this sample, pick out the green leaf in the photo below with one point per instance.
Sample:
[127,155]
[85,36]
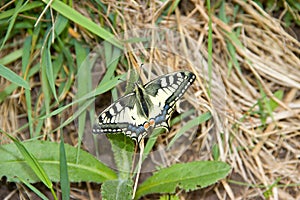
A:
[279,95]
[209,48]
[31,160]
[169,197]
[88,168]
[122,147]
[60,24]
[117,190]
[13,77]
[187,176]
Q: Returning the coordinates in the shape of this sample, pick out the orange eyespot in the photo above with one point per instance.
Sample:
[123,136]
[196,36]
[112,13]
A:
[152,122]
[146,125]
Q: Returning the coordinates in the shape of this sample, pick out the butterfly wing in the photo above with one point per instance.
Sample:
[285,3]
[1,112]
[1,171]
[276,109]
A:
[121,116]
[164,92]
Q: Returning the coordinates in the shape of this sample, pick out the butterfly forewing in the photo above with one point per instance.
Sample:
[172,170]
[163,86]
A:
[164,92]
[124,114]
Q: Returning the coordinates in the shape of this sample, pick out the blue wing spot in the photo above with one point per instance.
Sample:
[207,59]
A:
[137,130]
[140,129]
[162,118]
[159,119]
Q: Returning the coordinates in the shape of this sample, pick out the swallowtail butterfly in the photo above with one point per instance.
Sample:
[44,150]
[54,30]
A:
[149,106]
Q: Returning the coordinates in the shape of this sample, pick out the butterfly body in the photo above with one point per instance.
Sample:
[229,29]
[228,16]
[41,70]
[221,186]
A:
[149,106]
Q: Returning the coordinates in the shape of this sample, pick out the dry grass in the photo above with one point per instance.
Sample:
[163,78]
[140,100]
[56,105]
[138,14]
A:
[263,155]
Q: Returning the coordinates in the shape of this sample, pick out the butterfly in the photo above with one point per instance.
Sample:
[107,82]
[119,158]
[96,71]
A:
[147,107]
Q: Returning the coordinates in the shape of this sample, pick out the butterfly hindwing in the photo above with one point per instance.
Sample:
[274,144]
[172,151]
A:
[118,116]
[147,107]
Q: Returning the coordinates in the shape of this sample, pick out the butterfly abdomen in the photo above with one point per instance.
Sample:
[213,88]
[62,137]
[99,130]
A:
[143,101]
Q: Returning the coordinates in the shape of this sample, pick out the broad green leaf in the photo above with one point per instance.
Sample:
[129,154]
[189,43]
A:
[117,190]
[187,176]
[169,197]
[30,160]
[13,77]
[123,148]
[88,168]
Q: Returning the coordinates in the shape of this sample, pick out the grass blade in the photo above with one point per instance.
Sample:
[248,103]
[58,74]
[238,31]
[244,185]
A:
[32,188]
[13,56]
[192,123]
[13,77]
[64,178]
